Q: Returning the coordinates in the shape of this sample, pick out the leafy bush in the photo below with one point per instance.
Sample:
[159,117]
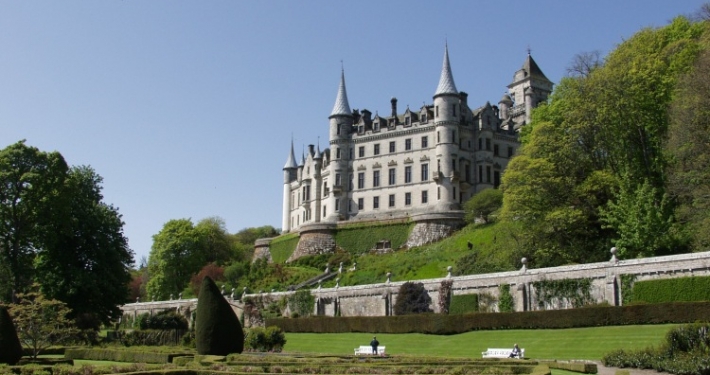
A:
[465,303]
[167,319]
[483,204]
[265,340]
[505,299]
[412,299]
[301,303]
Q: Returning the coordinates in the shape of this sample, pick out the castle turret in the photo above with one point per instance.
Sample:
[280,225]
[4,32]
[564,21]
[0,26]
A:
[447,111]
[529,83]
[341,123]
[504,105]
[290,170]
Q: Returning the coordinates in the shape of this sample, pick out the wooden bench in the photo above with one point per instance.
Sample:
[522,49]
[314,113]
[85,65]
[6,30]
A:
[501,353]
[367,350]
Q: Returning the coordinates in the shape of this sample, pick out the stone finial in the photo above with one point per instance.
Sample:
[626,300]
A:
[232,295]
[222,289]
[340,269]
[448,272]
[138,299]
[171,297]
[273,290]
[524,261]
[614,259]
[327,268]
[354,266]
[320,282]
[389,276]
[337,282]
[153,299]
[180,295]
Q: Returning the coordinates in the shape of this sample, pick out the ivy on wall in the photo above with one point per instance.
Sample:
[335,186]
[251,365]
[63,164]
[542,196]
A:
[464,303]
[505,299]
[445,296]
[574,292]
[627,288]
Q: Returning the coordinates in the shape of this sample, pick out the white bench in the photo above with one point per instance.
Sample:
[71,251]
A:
[367,350]
[501,353]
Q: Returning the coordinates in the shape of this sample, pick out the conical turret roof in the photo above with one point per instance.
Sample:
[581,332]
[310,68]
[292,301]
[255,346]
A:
[446,81]
[341,107]
[291,161]
[530,66]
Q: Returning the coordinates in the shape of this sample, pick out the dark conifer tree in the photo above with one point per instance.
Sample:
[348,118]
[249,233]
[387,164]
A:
[217,328]
[10,347]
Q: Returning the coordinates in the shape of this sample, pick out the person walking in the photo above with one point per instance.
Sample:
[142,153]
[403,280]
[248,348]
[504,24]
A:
[374,343]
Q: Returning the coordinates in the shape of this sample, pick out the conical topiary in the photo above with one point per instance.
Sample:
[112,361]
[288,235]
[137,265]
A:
[217,328]
[10,347]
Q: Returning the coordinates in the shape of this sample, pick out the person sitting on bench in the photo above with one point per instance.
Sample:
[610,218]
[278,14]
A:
[515,353]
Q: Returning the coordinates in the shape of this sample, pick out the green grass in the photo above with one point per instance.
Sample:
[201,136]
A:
[561,344]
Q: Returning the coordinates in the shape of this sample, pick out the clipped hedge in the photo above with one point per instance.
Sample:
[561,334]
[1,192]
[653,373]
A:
[696,288]
[677,312]
[96,354]
[581,367]
[464,303]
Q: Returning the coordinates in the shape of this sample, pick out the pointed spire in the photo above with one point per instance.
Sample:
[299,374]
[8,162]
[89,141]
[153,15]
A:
[446,82]
[341,107]
[291,161]
[318,154]
[531,67]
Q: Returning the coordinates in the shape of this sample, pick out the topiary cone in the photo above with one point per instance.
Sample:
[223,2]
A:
[10,347]
[217,328]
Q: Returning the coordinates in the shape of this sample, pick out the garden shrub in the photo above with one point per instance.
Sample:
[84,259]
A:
[505,299]
[167,319]
[301,303]
[465,303]
[265,339]
[217,329]
[412,299]
[10,347]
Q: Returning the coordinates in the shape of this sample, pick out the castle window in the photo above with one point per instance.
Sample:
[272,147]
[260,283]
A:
[407,199]
[496,179]
[377,149]
[375,202]
[407,121]
[392,147]
[495,150]
[361,180]
[350,186]
[375,178]
[425,172]
[337,153]
[408,144]
[438,193]
[453,110]
[438,138]
[361,129]
[392,176]
[488,173]
[480,143]
[376,126]
[510,152]
[437,112]
[488,144]
[407,174]
[360,203]
[468,172]
[338,129]
[361,151]
[325,210]
[351,153]
[423,118]
[337,179]
[391,203]
[337,205]
[425,196]
[350,206]
[453,165]
[480,173]
[453,136]
[425,142]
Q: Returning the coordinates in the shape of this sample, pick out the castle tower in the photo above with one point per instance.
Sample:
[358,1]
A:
[290,170]
[341,123]
[447,114]
[529,88]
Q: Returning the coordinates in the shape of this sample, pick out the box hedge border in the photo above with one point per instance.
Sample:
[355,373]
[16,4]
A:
[676,312]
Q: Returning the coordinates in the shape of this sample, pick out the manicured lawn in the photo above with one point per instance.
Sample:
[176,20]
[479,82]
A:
[577,343]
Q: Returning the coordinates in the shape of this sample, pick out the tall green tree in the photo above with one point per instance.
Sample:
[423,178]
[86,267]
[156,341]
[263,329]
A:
[174,257]
[483,204]
[31,183]
[88,265]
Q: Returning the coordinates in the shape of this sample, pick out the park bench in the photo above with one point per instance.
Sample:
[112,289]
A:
[367,350]
[500,353]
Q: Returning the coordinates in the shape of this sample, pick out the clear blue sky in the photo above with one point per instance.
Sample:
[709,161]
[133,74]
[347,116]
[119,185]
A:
[187,108]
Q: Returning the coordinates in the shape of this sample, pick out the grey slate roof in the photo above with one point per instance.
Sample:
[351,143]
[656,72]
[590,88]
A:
[341,107]
[291,161]
[446,81]
[530,66]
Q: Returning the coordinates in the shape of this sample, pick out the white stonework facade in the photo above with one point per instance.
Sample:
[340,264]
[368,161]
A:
[421,163]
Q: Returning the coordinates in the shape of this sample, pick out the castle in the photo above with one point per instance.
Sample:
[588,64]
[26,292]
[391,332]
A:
[417,165]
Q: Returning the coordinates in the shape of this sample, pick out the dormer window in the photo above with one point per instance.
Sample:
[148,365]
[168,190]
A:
[361,129]
[376,126]
[407,120]
[423,118]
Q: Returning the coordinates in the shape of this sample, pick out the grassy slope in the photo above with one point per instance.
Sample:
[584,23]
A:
[578,343]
